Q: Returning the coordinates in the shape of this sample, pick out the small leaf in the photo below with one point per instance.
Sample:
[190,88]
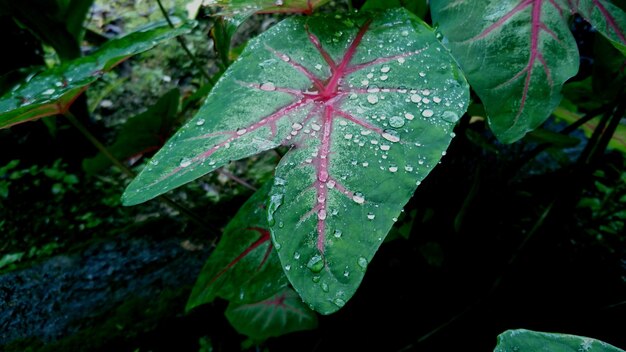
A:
[278,315]
[244,266]
[53,91]
[141,134]
[367,106]
[516,54]
[607,18]
[532,341]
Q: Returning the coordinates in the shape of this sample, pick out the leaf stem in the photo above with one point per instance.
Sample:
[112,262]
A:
[128,172]
[183,45]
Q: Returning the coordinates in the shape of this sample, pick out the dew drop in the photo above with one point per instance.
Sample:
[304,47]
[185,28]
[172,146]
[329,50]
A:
[324,287]
[48,92]
[384,77]
[393,168]
[391,136]
[316,127]
[408,168]
[415,98]
[365,82]
[339,302]
[371,216]
[296,126]
[358,198]
[385,147]
[396,121]
[200,122]
[321,214]
[348,136]
[316,263]
[323,176]
[409,116]
[268,86]
[185,162]
[318,67]
[330,184]
[372,99]
[365,164]
[437,100]
[279,2]
[401,60]
[287,267]
[428,113]
[241,131]
[422,74]
[296,255]
[426,92]
[370,75]
[316,279]
[450,116]
[346,273]
[362,262]
[385,69]
[337,233]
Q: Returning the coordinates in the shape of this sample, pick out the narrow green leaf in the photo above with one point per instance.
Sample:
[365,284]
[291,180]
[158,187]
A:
[244,266]
[367,106]
[533,341]
[75,15]
[607,18]
[516,54]
[53,91]
[278,315]
[141,134]
[245,8]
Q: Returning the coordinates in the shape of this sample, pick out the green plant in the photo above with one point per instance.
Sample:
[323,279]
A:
[365,104]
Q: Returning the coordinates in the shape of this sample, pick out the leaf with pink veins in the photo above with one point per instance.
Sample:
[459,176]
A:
[367,104]
[607,18]
[517,54]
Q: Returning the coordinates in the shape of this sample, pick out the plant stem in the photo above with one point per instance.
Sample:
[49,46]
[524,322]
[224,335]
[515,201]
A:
[128,172]
[183,45]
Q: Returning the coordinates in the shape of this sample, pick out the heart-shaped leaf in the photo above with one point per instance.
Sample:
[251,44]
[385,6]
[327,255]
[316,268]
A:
[516,54]
[244,266]
[607,18]
[367,106]
[278,315]
[53,91]
[533,341]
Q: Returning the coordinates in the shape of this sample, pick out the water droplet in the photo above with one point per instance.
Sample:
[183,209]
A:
[391,136]
[278,246]
[421,162]
[316,263]
[393,168]
[371,216]
[296,126]
[401,60]
[315,127]
[415,98]
[426,92]
[405,33]
[316,279]
[337,233]
[287,267]
[408,168]
[279,2]
[370,75]
[385,69]
[281,224]
[268,86]
[422,74]
[396,121]
[409,116]
[296,255]
[323,176]
[200,122]
[318,67]
[348,136]
[279,181]
[385,147]
[372,99]
[321,214]
[365,82]
[241,131]
[362,262]
[185,162]
[450,116]
[48,92]
[346,273]
[330,184]
[358,198]
[324,287]
[365,164]
[437,100]
[384,77]
[339,302]
[428,113]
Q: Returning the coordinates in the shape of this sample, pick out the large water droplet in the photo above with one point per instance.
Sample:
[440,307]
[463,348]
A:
[200,122]
[268,86]
[362,262]
[396,121]
[391,136]
[450,116]
[358,198]
[416,98]
[185,162]
[372,99]
[296,126]
[339,302]
[428,113]
[321,214]
[393,168]
[296,255]
[316,263]
[385,69]
[409,116]
[241,131]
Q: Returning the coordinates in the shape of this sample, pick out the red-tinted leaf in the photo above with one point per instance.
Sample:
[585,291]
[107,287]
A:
[608,19]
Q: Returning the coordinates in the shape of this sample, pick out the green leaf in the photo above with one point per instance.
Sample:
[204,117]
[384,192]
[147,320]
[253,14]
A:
[141,134]
[244,266]
[75,15]
[516,54]
[607,18]
[53,91]
[278,315]
[418,7]
[368,108]
[245,8]
[532,341]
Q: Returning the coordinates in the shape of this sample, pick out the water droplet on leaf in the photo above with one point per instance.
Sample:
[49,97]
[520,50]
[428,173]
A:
[396,121]
[316,263]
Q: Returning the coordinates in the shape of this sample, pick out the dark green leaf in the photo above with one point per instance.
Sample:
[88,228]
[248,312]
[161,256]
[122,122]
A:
[607,18]
[532,341]
[245,8]
[141,134]
[368,108]
[542,135]
[75,15]
[244,267]
[278,315]
[516,54]
[53,91]
[418,7]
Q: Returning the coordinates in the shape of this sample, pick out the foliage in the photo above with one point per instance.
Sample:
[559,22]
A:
[361,107]
[526,340]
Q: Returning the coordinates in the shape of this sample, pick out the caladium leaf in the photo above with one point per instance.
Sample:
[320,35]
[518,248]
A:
[607,18]
[244,266]
[53,91]
[368,106]
[533,341]
[278,315]
[516,54]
